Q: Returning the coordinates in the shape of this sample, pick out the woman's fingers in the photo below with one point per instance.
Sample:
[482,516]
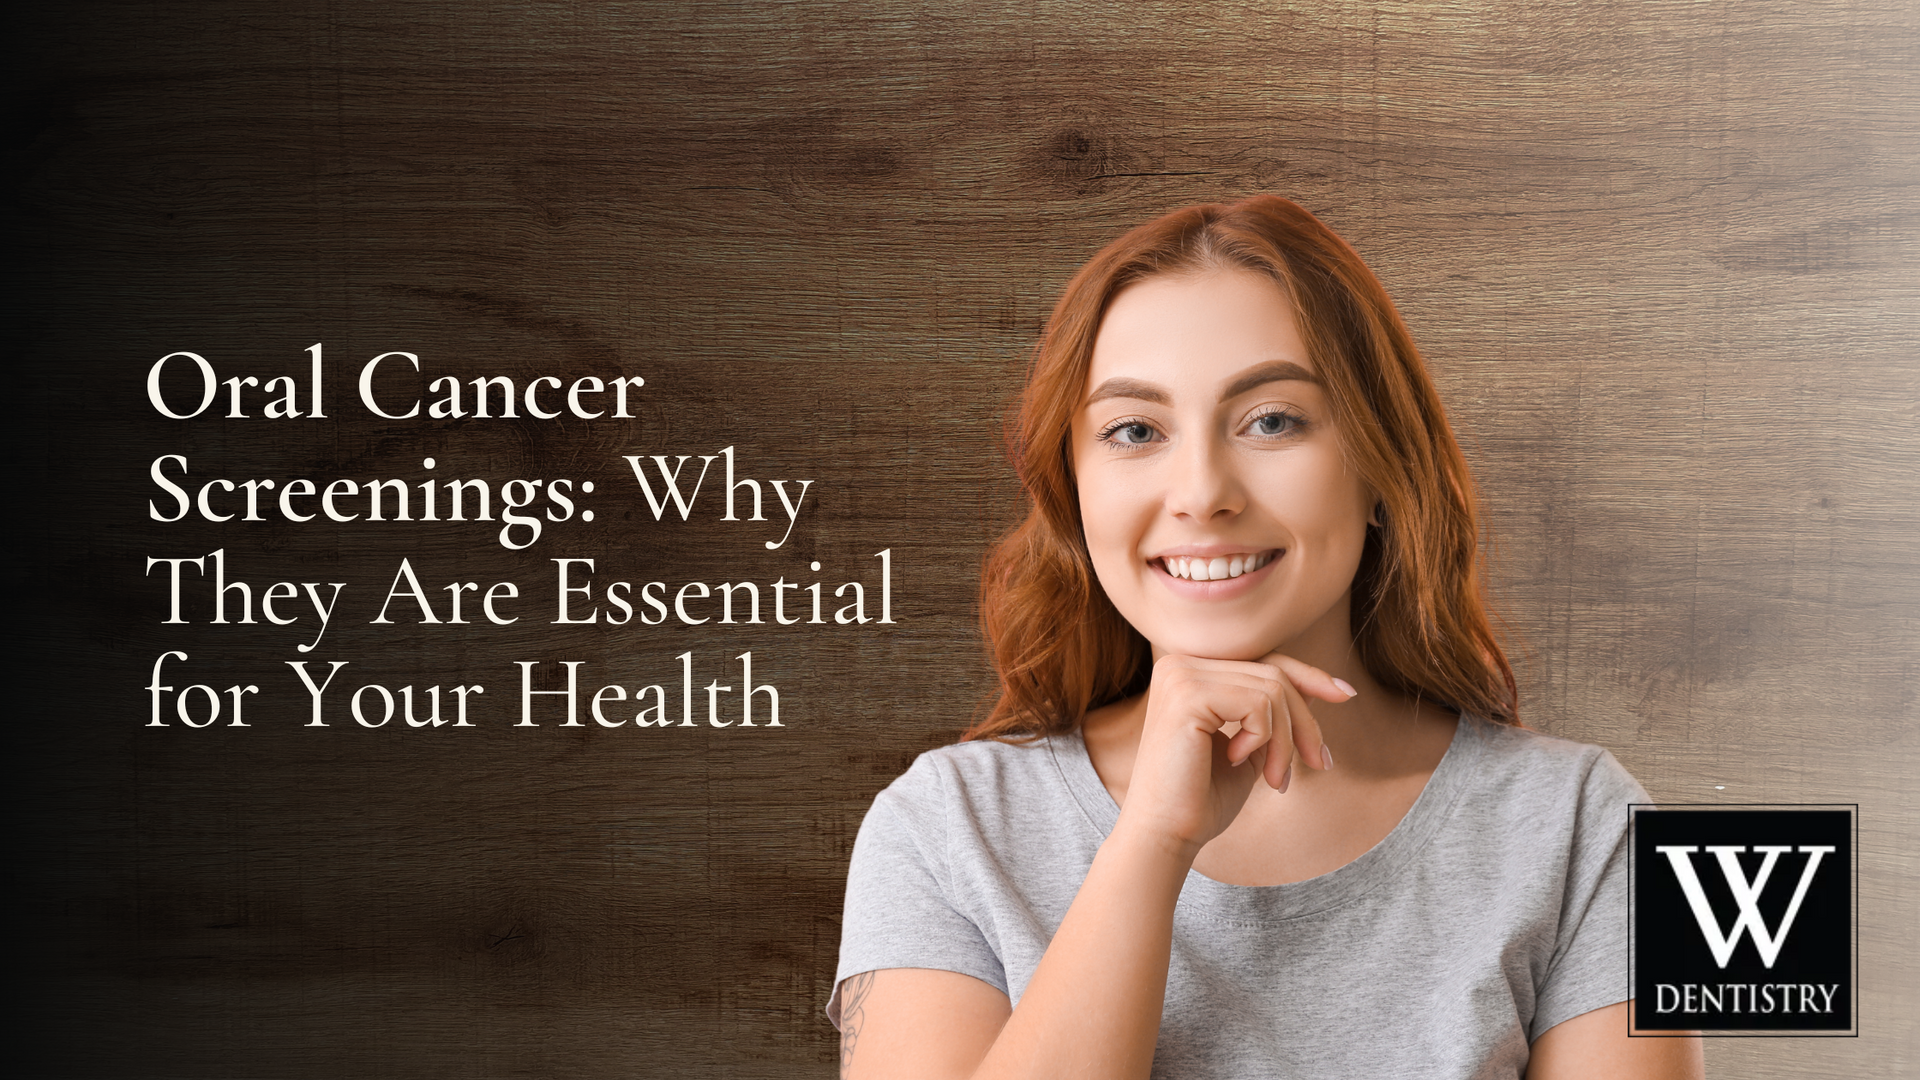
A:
[1310,680]
[1256,729]
[1275,757]
[1276,764]
[1217,694]
[1305,730]
[1303,679]
[1247,702]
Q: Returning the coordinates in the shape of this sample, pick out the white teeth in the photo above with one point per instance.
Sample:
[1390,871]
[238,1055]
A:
[1216,569]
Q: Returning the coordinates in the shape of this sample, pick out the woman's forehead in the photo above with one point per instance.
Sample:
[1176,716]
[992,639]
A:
[1221,332]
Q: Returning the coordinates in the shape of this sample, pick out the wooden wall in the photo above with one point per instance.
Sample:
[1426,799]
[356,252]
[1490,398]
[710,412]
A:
[1662,256]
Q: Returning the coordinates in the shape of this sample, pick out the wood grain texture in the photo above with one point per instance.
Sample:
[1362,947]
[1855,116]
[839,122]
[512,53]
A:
[1661,255]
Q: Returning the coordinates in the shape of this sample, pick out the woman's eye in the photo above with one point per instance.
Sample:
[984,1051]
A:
[1274,423]
[1129,433]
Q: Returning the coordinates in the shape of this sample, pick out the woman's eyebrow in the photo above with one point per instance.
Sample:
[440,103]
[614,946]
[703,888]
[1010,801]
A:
[1129,388]
[1271,371]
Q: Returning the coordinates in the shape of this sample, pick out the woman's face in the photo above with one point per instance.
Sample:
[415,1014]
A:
[1221,516]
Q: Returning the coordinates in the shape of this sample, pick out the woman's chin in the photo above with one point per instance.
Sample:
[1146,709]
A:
[1213,646]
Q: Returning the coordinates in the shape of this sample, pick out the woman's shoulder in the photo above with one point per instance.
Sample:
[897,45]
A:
[1529,766]
[972,807]
[1535,815]
[981,777]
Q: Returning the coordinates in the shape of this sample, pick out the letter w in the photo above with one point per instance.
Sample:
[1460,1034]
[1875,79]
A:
[1745,894]
[672,482]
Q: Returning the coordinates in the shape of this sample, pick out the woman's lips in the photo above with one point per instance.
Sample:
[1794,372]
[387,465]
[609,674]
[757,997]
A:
[1195,575]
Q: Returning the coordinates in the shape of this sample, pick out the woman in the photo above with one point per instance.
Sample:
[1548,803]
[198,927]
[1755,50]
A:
[1153,857]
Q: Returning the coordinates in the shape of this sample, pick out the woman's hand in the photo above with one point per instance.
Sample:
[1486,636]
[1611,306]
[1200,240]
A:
[1189,778]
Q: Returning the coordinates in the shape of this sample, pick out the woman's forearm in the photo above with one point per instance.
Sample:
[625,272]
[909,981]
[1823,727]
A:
[1093,1006]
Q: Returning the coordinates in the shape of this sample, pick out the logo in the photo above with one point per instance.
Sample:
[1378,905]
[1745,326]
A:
[1744,920]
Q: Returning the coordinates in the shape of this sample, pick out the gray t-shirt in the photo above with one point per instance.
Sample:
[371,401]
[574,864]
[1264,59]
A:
[1496,909]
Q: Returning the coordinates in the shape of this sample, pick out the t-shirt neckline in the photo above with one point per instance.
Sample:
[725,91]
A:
[1220,901]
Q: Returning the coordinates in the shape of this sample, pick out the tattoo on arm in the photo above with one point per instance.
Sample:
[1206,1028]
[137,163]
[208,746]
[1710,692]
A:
[853,1000]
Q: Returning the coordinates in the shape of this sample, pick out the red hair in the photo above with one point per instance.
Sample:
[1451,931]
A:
[1059,646]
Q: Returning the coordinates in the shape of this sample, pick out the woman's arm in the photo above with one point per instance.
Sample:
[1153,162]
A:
[915,1022]
[1595,1046]
[1094,1003]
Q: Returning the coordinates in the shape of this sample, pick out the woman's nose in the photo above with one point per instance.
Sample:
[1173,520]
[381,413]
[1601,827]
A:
[1203,483]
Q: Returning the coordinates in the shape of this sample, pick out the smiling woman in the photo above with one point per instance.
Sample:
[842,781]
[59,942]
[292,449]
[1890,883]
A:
[1144,862]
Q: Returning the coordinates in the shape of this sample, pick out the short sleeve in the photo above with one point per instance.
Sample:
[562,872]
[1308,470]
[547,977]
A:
[1589,966]
[901,911]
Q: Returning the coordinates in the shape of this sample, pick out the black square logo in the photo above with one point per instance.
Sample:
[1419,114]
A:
[1743,920]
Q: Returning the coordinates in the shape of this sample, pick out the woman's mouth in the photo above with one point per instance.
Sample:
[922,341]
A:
[1216,567]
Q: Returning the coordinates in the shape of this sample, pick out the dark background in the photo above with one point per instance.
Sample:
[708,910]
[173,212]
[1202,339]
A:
[1662,257]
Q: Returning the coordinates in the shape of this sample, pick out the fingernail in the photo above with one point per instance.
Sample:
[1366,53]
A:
[1326,756]
[1286,778]
[1346,687]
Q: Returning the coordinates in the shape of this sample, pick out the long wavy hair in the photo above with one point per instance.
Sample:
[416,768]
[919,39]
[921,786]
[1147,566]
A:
[1061,649]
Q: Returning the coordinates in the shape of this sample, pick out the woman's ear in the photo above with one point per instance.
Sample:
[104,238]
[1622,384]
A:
[1377,514]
